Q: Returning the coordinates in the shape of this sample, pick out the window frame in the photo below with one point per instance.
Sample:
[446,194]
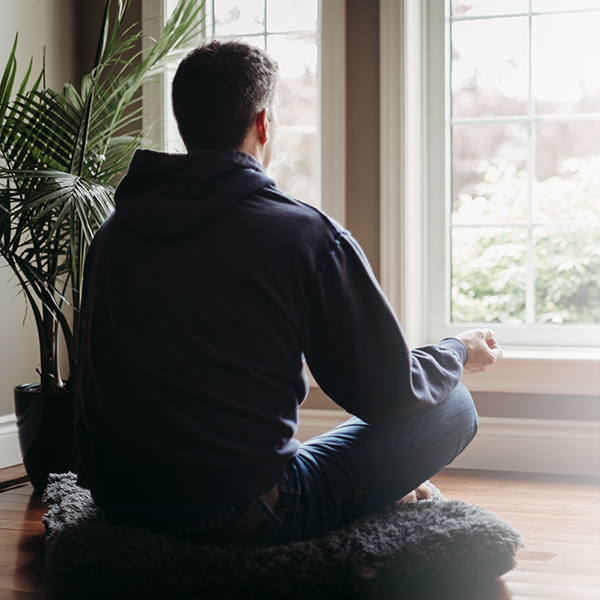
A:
[331,126]
[415,181]
[439,221]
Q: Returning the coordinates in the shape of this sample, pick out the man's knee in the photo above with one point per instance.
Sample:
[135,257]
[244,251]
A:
[463,415]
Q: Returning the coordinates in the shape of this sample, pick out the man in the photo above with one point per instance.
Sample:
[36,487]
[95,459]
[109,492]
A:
[204,292]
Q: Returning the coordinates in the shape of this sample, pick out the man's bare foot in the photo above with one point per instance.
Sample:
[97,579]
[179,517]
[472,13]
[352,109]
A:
[423,492]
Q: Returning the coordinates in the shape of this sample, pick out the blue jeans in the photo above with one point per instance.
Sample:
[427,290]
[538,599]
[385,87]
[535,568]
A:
[358,469]
[351,471]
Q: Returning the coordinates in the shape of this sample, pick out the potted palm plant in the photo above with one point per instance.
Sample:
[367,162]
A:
[61,154]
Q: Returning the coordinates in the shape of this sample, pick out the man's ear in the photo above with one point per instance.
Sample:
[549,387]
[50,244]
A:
[262,126]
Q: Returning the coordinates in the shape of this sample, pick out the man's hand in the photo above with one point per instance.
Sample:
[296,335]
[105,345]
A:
[483,349]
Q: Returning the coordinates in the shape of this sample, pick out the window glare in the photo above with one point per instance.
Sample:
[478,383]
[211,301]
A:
[292,15]
[566,69]
[477,8]
[296,55]
[549,5]
[489,64]
[233,17]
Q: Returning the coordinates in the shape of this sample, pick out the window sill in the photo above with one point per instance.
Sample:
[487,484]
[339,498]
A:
[536,370]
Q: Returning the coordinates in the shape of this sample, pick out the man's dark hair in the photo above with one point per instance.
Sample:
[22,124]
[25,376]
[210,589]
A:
[218,90]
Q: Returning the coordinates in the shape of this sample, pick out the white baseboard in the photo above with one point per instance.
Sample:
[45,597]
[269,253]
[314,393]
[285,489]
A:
[524,445]
[10,453]
[534,446]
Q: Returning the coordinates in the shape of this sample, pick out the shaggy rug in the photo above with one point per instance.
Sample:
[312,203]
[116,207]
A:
[424,545]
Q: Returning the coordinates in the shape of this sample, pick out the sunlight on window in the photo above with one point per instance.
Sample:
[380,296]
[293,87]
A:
[525,131]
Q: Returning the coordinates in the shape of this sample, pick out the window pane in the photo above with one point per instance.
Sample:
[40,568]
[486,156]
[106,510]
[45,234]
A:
[296,54]
[489,176]
[546,5]
[237,17]
[488,7]
[297,101]
[566,63]
[294,166]
[489,67]
[567,266]
[292,15]
[525,212]
[488,274]
[297,91]
[295,154]
[567,185]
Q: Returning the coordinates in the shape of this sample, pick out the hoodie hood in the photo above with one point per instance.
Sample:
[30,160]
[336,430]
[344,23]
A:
[167,195]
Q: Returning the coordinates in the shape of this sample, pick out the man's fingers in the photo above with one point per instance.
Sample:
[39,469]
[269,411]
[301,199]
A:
[496,352]
[492,343]
[483,349]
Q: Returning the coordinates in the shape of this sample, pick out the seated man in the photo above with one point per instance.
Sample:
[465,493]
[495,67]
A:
[204,293]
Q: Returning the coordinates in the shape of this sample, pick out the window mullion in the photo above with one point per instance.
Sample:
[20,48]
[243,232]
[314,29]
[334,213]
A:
[550,118]
[530,267]
[459,18]
[265,26]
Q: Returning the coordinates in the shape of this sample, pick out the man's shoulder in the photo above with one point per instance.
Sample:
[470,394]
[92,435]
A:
[290,212]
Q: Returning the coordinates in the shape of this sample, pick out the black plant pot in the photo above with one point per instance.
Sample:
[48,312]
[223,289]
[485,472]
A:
[46,428]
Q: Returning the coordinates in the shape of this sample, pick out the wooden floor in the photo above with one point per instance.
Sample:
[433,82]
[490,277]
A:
[559,520]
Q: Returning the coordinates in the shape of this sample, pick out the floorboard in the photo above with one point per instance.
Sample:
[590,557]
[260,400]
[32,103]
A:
[558,517]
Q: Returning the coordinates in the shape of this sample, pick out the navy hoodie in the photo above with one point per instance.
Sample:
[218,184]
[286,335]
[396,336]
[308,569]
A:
[203,294]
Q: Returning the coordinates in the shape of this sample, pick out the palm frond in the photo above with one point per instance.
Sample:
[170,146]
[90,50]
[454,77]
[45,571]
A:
[61,153]
[40,129]
[53,189]
[8,79]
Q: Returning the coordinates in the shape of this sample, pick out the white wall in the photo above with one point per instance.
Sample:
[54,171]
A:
[40,23]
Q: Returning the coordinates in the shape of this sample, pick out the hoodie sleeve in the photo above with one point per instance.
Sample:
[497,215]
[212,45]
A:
[355,347]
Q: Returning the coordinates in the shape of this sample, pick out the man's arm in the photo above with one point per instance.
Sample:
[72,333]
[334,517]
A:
[357,352]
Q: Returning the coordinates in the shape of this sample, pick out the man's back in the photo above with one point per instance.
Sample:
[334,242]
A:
[191,361]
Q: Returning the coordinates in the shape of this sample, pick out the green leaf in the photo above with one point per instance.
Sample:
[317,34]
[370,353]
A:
[61,155]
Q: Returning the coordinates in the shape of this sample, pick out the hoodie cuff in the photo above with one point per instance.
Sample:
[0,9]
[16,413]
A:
[457,347]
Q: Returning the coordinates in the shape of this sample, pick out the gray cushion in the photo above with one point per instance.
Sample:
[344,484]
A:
[424,545]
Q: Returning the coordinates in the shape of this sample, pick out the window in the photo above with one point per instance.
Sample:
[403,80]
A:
[521,225]
[308,157]
[417,185]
